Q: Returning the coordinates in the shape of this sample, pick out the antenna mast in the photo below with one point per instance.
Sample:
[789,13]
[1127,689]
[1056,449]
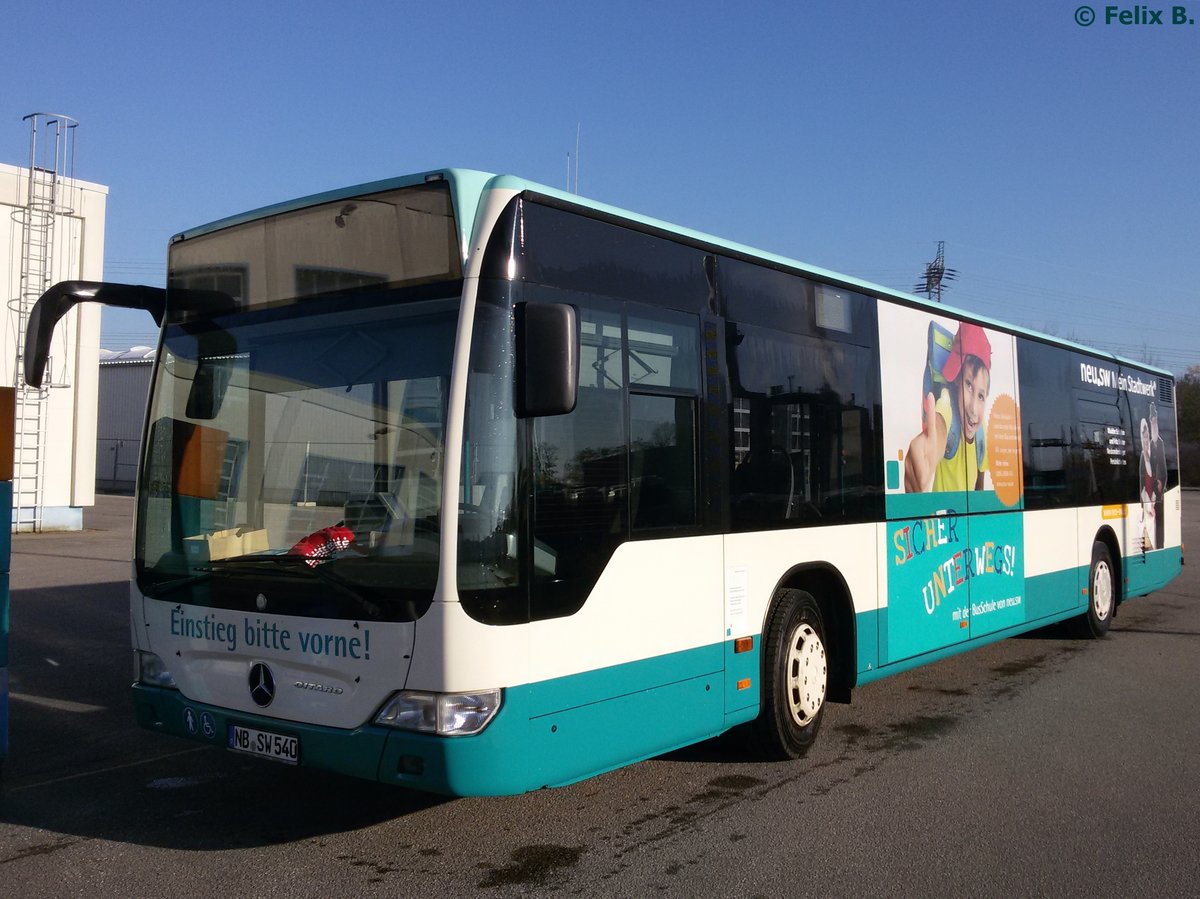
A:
[935,275]
[573,188]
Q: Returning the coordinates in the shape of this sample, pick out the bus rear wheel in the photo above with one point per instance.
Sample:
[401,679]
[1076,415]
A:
[795,677]
[1102,595]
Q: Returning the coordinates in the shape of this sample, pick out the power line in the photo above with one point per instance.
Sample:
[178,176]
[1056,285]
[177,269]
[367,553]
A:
[936,274]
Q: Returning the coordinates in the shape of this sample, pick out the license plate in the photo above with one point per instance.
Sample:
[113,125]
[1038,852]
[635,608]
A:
[264,744]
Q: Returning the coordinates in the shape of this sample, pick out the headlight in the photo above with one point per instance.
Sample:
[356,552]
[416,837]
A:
[446,714]
[152,671]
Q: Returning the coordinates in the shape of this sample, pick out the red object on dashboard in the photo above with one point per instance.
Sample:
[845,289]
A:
[323,543]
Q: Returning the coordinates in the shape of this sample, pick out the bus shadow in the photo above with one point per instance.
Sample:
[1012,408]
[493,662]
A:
[1161,631]
[202,800]
[80,768]
[729,748]
[1060,630]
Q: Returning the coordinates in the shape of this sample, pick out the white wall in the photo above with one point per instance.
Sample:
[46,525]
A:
[69,456]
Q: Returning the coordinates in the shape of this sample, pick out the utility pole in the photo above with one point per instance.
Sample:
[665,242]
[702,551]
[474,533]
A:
[936,274]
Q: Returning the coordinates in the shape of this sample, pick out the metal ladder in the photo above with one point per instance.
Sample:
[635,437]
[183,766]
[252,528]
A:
[51,159]
[227,487]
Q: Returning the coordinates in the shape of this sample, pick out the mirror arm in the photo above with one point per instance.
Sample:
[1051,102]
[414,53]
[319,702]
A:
[59,300]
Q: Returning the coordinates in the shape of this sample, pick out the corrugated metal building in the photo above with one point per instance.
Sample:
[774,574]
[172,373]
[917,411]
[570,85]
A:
[124,385]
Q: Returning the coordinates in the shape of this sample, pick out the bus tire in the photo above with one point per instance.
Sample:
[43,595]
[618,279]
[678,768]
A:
[795,678]
[1102,595]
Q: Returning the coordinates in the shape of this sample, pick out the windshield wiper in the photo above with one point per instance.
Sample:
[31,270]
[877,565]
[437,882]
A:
[162,588]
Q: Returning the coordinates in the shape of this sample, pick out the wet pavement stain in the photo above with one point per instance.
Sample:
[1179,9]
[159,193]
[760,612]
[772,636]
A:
[533,865]
[940,691]
[719,794]
[40,849]
[912,733]
[734,782]
[1019,666]
[378,870]
[854,733]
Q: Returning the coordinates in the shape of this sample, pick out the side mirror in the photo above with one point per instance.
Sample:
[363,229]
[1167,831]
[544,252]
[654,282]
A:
[208,388]
[215,363]
[57,302]
[547,345]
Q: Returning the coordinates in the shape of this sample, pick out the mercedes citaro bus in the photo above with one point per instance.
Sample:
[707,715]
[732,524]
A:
[464,483]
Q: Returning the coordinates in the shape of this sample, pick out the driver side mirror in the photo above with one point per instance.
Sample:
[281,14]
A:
[547,346]
[58,301]
[208,388]
[216,351]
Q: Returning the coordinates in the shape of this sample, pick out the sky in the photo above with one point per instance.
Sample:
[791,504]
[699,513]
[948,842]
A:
[1057,161]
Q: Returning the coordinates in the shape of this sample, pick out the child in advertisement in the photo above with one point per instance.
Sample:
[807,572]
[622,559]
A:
[950,453]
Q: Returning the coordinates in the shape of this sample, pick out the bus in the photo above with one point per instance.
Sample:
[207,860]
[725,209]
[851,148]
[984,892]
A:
[459,482]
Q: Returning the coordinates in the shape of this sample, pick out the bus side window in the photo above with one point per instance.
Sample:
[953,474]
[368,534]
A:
[803,430]
[580,484]
[663,350]
[662,461]
[1108,450]
[1056,473]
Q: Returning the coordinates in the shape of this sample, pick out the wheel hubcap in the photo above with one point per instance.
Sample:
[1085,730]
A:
[1102,591]
[806,674]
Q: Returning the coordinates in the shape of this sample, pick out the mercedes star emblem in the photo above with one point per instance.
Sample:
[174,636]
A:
[262,684]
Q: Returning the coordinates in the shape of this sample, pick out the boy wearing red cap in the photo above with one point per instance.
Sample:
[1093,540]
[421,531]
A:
[950,452]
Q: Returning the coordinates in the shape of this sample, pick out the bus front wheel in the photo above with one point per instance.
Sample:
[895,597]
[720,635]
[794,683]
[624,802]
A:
[1102,594]
[795,677]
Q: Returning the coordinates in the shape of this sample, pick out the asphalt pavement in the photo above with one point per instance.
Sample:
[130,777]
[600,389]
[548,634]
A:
[1039,766]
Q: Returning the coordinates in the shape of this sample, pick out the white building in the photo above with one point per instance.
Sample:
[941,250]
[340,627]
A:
[63,477]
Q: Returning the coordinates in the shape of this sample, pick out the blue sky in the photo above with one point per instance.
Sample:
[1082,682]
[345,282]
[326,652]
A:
[1058,162]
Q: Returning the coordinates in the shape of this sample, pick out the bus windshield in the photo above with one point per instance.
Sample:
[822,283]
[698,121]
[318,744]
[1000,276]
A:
[295,439]
[305,446]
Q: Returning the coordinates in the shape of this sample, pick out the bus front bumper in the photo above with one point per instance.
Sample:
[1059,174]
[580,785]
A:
[459,766]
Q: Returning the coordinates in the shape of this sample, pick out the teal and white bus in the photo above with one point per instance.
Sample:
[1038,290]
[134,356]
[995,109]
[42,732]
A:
[459,482]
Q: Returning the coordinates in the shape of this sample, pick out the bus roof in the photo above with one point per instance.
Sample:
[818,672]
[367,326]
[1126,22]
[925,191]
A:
[468,185]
